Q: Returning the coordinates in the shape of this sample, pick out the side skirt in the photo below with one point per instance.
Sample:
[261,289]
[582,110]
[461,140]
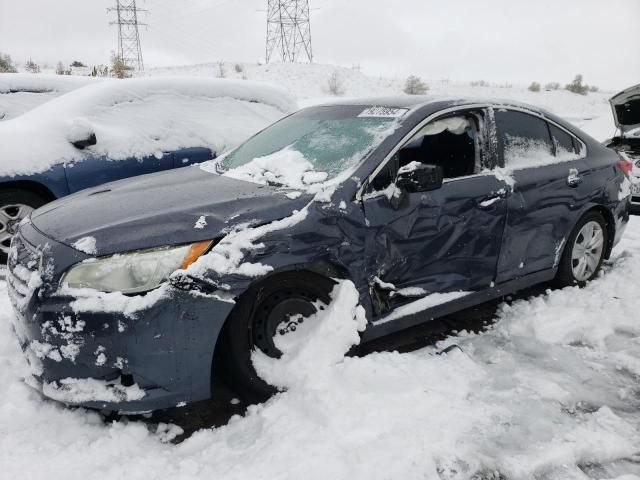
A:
[375,331]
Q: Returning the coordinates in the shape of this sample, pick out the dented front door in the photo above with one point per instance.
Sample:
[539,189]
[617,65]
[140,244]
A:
[440,241]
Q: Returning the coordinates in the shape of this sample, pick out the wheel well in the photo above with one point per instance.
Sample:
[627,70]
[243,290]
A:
[33,187]
[218,367]
[611,226]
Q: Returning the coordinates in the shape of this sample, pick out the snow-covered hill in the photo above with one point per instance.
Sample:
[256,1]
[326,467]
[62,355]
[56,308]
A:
[310,84]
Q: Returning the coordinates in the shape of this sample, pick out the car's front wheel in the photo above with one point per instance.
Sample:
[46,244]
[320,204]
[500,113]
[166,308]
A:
[15,205]
[584,252]
[274,308]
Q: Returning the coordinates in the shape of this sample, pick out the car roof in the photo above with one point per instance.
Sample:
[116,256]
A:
[418,101]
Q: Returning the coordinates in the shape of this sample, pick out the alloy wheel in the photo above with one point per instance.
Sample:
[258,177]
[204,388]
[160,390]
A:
[10,217]
[587,251]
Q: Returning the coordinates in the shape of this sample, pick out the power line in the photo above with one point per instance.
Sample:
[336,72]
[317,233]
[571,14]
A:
[289,30]
[129,49]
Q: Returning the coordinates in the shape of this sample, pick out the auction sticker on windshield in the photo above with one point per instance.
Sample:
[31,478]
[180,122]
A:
[383,112]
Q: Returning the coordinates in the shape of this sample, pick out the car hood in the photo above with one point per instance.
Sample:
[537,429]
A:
[167,208]
[626,109]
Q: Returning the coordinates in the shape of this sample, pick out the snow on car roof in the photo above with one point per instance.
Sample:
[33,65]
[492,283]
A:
[137,118]
[21,92]
[29,82]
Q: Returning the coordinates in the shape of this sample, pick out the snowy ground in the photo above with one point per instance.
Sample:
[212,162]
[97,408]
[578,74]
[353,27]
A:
[551,391]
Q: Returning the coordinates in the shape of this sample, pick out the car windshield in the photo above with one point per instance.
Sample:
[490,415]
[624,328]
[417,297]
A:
[311,146]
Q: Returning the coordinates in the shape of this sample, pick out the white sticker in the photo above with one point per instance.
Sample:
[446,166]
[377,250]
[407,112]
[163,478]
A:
[383,112]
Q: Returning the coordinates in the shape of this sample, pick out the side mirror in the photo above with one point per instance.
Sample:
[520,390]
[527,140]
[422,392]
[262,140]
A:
[85,142]
[419,177]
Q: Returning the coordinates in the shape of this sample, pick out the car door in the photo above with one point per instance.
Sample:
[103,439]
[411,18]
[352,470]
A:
[550,182]
[443,240]
[96,170]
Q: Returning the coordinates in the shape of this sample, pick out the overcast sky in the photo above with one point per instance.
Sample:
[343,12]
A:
[498,40]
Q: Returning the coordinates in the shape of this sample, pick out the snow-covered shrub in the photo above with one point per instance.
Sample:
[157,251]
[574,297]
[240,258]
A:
[534,87]
[415,86]
[119,69]
[61,70]
[335,84]
[577,86]
[552,86]
[479,83]
[593,88]
[6,64]
[32,67]
[77,64]
[239,68]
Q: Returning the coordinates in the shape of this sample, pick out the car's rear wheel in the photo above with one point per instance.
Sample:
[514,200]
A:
[584,252]
[275,307]
[15,205]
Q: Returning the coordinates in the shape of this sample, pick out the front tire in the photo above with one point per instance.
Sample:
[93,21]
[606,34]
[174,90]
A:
[584,252]
[15,205]
[258,318]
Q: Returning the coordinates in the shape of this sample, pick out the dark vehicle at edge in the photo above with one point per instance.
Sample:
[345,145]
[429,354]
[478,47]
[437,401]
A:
[465,216]
[626,114]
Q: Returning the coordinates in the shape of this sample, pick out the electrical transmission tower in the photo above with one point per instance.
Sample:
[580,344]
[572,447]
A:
[289,30]
[129,49]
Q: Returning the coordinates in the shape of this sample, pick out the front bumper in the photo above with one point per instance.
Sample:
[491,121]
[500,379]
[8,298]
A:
[151,359]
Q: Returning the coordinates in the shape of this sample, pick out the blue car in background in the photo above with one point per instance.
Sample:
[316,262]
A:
[143,295]
[113,129]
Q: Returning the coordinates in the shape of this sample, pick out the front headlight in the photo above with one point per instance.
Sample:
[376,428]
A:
[133,272]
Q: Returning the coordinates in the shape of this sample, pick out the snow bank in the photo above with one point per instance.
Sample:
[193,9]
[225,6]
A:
[317,345]
[549,392]
[138,118]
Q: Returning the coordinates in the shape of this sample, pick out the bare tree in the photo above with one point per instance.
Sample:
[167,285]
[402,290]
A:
[577,86]
[6,64]
[534,87]
[221,70]
[415,86]
[335,84]
[32,67]
[119,69]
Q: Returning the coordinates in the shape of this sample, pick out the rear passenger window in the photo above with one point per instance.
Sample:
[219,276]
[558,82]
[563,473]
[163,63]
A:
[523,139]
[565,143]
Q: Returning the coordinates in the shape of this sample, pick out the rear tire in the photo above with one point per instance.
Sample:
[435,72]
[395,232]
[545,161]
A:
[584,252]
[254,322]
[15,204]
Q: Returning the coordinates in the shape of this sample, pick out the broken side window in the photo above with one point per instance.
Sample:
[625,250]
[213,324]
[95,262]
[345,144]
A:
[523,139]
[452,143]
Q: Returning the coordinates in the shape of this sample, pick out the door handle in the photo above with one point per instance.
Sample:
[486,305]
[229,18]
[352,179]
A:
[485,203]
[574,179]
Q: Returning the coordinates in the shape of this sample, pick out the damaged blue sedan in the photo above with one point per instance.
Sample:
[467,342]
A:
[142,295]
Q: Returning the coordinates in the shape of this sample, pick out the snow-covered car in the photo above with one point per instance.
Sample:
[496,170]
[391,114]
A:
[626,113]
[142,295]
[21,92]
[118,129]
